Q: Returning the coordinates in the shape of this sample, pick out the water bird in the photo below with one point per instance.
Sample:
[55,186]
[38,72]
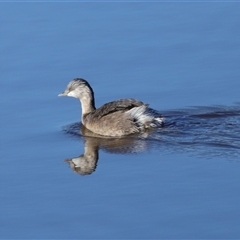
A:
[114,119]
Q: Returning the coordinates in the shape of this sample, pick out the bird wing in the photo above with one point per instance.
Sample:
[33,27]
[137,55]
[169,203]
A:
[119,105]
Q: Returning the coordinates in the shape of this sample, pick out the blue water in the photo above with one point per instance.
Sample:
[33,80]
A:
[179,182]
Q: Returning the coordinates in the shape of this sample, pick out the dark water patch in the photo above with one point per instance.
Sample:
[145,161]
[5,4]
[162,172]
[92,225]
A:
[214,130]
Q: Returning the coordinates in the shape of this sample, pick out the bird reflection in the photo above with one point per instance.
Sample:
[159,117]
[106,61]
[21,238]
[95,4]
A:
[86,163]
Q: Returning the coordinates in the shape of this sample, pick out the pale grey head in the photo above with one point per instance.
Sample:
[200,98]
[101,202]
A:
[77,88]
[80,88]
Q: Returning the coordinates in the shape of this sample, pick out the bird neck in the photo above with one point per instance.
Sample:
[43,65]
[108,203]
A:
[87,104]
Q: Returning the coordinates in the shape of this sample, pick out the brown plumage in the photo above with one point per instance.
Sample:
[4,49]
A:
[115,119]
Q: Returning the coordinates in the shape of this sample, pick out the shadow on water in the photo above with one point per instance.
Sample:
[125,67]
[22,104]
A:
[203,131]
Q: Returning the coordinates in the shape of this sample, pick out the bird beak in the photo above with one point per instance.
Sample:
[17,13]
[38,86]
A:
[62,94]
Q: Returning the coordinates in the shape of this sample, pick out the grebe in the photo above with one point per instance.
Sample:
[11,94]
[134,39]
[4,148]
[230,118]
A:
[114,119]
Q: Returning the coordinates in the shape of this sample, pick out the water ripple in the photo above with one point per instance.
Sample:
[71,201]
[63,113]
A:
[203,131]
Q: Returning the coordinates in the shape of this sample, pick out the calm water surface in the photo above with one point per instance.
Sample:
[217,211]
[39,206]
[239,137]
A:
[181,181]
